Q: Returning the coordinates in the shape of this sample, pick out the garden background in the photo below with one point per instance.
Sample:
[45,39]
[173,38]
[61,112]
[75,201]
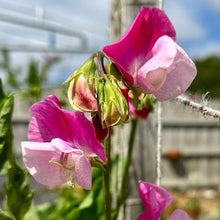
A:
[35,62]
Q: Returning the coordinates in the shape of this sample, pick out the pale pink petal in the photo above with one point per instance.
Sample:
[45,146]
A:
[36,157]
[151,76]
[134,46]
[179,214]
[154,198]
[83,172]
[64,146]
[68,160]
[179,76]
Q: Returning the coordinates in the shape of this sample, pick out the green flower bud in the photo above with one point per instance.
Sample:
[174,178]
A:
[81,89]
[113,107]
[114,75]
[145,101]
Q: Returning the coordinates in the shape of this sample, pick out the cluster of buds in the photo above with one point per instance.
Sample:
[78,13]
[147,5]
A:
[96,87]
[141,104]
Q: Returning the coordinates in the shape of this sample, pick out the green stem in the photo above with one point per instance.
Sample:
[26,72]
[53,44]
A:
[95,162]
[123,193]
[106,175]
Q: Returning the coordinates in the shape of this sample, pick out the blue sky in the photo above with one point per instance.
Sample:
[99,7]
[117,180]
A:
[196,23]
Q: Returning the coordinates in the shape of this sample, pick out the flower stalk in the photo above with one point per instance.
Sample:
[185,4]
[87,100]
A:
[106,178]
[122,195]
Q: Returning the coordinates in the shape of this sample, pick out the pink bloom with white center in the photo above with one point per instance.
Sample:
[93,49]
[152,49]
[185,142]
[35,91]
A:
[60,145]
[149,58]
[155,200]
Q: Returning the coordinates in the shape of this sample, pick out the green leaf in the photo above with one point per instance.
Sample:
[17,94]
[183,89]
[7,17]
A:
[18,194]
[45,210]
[5,216]
[32,214]
[87,202]
[6,108]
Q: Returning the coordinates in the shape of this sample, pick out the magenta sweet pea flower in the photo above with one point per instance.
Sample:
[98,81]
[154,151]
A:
[60,145]
[149,58]
[155,200]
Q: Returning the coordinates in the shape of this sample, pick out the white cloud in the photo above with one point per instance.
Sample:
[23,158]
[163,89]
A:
[207,49]
[186,25]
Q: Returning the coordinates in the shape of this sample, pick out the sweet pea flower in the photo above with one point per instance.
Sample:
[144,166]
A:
[155,200]
[141,114]
[60,145]
[149,58]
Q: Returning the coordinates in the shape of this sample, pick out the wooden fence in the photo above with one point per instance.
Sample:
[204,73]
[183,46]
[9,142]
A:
[190,150]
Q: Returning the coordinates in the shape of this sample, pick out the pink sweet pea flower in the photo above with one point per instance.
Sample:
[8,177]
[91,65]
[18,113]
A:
[60,145]
[155,200]
[179,214]
[149,58]
[141,114]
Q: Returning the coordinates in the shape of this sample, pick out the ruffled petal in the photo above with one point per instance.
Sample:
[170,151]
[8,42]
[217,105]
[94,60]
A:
[179,214]
[84,136]
[47,122]
[179,76]
[83,172]
[64,146]
[134,46]
[36,157]
[151,76]
[154,198]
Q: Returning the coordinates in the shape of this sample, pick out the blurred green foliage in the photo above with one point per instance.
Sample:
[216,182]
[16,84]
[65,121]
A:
[208,77]
[28,82]
[74,204]
[11,72]
[17,193]
[36,77]
[6,108]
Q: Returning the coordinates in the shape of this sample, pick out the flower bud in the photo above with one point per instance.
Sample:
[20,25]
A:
[114,75]
[113,107]
[101,133]
[144,105]
[80,88]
